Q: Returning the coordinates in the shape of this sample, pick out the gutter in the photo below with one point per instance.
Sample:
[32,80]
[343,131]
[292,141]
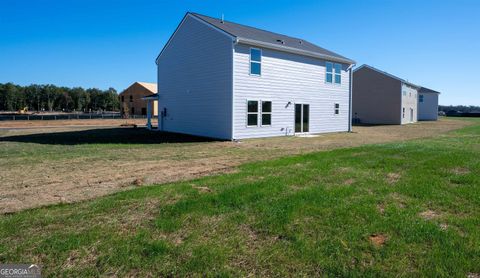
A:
[350,91]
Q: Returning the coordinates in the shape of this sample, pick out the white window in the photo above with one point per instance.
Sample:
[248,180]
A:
[255,61]
[403,112]
[404,93]
[257,108]
[252,113]
[266,113]
[337,108]
[333,73]
[420,98]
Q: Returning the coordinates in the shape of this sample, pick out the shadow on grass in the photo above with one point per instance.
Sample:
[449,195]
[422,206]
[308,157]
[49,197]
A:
[106,136]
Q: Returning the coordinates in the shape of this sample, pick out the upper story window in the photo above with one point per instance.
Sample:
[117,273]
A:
[334,73]
[123,98]
[404,93]
[255,61]
[131,98]
[420,98]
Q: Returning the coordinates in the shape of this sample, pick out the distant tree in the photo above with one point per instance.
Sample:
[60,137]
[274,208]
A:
[50,97]
[459,108]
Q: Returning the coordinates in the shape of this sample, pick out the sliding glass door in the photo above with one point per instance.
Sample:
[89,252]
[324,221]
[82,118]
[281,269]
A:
[302,118]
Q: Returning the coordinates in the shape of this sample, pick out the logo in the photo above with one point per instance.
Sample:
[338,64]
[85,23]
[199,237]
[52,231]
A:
[20,271]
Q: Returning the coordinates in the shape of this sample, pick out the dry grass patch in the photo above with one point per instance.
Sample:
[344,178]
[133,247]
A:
[460,171]
[429,214]
[381,208]
[40,173]
[393,178]
[81,258]
[349,181]
[399,200]
[202,189]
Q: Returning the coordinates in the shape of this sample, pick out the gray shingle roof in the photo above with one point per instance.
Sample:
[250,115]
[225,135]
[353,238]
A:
[279,41]
[427,90]
[386,74]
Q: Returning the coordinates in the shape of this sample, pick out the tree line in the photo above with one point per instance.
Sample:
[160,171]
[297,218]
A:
[459,108]
[53,98]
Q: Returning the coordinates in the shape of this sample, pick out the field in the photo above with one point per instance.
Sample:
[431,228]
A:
[408,208]
[49,162]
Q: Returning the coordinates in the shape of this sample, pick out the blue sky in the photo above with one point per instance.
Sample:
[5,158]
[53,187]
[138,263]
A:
[114,43]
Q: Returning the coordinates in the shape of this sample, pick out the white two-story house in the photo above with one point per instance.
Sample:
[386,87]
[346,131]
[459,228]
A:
[225,80]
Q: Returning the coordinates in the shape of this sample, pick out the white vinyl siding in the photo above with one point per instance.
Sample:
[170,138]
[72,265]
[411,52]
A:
[428,109]
[287,79]
[409,102]
[195,77]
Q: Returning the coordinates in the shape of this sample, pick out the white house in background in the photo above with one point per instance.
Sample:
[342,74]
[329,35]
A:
[427,104]
[382,98]
[225,80]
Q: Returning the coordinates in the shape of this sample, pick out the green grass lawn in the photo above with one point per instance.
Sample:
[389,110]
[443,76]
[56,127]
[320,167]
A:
[405,209]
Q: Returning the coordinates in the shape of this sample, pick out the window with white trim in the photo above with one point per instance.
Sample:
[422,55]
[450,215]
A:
[333,73]
[252,113]
[337,108]
[266,113]
[403,112]
[255,61]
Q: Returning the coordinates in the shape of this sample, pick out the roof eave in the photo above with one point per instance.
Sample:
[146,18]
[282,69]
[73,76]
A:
[412,85]
[295,51]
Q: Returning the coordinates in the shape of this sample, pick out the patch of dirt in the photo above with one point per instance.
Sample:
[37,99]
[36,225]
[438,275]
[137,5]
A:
[393,178]
[74,122]
[81,259]
[378,240]
[400,200]
[343,169]
[349,181]
[473,275]
[138,182]
[460,171]
[381,208]
[443,227]
[429,214]
[66,179]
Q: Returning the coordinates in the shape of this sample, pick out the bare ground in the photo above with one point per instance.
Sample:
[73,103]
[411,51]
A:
[70,123]
[28,182]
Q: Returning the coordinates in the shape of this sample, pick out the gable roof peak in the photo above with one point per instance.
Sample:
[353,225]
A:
[267,39]
[386,74]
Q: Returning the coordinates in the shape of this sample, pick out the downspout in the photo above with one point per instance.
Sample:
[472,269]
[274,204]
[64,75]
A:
[232,136]
[350,89]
